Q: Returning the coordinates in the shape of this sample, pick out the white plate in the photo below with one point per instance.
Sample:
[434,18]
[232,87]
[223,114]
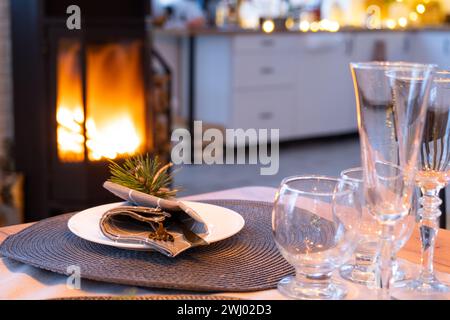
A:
[222,223]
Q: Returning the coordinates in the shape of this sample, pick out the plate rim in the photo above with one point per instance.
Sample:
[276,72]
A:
[145,247]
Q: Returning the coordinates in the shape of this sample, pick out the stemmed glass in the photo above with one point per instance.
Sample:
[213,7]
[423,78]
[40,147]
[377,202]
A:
[363,266]
[432,176]
[391,100]
[315,226]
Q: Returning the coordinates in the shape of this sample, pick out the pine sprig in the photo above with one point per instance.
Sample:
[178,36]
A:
[145,175]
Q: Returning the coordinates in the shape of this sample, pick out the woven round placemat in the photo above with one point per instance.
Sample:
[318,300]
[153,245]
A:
[248,261]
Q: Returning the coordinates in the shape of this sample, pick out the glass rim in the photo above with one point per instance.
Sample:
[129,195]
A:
[354,169]
[385,65]
[285,181]
[442,76]
[384,163]
[411,74]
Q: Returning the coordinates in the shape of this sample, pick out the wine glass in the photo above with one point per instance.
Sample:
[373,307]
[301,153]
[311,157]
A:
[433,175]
[391,100]
[363,267]
[315,225]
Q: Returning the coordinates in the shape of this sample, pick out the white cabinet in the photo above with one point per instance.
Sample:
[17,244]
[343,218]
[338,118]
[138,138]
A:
[247,82]
[325,100]
[396,45]
[298,83]
[259,108]
[432,47]
[262,69]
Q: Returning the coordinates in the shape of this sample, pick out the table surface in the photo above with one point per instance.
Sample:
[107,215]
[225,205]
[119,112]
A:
[19,281]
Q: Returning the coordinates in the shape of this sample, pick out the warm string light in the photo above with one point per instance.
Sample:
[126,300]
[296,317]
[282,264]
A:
[315,26]
[401,14]
[413,16]
[289,23]
[268,26]
[334,27]
[420,8]
[322,25]
[410,18]
[304,26]
[391,24]
[402,22]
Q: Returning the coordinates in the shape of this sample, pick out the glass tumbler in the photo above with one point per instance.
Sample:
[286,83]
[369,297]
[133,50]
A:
[315,223]
[362,268]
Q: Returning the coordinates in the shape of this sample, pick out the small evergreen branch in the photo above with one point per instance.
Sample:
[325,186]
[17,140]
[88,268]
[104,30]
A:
[145,175]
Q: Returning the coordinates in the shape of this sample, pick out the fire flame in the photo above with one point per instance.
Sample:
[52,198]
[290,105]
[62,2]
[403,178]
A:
[115,105]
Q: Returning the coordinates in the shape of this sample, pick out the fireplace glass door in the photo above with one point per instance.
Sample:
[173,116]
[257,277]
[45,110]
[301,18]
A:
[100,100]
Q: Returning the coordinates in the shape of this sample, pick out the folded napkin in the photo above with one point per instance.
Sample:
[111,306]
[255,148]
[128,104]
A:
[168,226]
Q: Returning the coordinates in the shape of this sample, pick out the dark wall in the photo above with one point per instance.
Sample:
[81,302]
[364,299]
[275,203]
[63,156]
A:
[29,101]
[100,8]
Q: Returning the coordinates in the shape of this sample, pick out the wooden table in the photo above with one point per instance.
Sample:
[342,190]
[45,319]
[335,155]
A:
[21,281]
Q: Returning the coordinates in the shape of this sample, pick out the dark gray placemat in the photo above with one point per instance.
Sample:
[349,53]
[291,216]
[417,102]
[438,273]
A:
[248,261]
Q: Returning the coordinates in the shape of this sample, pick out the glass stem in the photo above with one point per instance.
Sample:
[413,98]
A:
[319,281]
[429,226]
[384,274]
[363,259]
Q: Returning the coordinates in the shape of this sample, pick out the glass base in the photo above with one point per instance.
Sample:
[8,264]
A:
[419,290]
[292,288]
[434,286]
[366,276]
[357,274]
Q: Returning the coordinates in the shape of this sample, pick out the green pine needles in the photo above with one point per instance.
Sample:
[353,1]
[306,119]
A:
[141,173]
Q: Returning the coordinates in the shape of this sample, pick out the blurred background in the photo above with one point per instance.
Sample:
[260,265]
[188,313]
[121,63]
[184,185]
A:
[72,99]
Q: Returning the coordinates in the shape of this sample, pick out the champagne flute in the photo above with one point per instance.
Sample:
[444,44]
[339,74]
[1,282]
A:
[391,100]
[433,175]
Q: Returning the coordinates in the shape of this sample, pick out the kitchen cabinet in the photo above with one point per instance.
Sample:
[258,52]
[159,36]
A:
[325,101]
[397,45]
[272,108]
[247,82]
[299,83]
[432,47]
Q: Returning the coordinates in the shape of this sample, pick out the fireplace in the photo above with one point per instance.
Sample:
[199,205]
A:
[82,97]
[112,123]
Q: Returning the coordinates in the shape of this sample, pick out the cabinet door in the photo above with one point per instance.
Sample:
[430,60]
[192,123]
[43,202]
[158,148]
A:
[397,46]
[263,60]
[432,47]
[265,108]
[262,69]
[326,102]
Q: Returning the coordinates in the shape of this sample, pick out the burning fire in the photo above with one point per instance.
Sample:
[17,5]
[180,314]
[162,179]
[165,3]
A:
[115,105]
[119,138]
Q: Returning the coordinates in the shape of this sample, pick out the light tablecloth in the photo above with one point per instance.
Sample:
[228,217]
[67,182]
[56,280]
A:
[20,281]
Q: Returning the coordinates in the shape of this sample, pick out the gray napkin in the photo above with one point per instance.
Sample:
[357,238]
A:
[140,223]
